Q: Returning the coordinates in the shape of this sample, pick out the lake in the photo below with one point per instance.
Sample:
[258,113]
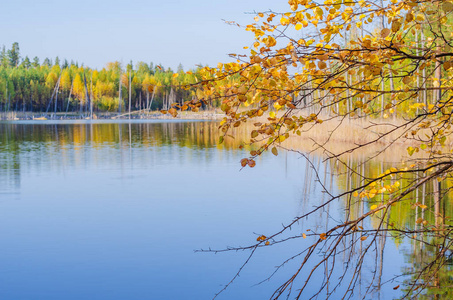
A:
[115,210]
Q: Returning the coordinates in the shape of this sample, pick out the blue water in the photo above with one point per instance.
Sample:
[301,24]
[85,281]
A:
[115,211]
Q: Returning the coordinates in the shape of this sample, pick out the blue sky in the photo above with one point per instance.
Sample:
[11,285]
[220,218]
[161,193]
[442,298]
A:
[95,32]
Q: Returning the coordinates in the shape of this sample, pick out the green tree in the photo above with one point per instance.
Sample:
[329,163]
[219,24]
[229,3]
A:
[35,63]
[47,62]
[14,55]
[26,63]
[4,58]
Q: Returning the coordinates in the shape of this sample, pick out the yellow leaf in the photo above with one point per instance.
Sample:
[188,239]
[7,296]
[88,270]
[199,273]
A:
[172,111]
[274,151]
[298,26]
[396,25]
[385,32]
[373,207]
[304,235]
[447,6]
[261,238]
[420,18]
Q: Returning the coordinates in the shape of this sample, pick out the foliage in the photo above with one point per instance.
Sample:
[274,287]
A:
[30,86]
[342,62]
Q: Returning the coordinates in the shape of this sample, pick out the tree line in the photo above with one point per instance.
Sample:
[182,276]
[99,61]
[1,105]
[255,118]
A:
[62,86]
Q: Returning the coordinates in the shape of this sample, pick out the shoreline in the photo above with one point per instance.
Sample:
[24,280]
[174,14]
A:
[136,115]
[331,137]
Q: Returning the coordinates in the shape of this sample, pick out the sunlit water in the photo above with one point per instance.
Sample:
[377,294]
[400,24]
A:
[115,210]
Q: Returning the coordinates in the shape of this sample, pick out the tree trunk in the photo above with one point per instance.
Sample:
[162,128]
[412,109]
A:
[119,95]
[130,94]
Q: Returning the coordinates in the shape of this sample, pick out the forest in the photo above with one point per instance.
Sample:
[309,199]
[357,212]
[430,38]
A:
[56,86]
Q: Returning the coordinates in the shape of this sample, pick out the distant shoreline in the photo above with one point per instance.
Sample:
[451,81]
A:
[136,115]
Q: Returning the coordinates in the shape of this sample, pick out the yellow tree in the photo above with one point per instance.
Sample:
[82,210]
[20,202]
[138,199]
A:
[66,80]
[147,87]
[78,89]
[301,75]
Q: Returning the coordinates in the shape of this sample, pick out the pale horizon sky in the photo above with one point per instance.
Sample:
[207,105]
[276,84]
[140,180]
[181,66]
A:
[97,32]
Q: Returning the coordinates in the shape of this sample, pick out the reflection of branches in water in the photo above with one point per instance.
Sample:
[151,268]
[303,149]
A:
[349,241]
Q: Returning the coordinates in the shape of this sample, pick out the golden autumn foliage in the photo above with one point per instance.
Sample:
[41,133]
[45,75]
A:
[385,62]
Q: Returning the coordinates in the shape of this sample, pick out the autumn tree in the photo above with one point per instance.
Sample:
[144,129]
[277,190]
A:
[383,65]
[36,86]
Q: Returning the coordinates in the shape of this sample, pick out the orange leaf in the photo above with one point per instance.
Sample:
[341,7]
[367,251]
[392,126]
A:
[244,162]
[251,163]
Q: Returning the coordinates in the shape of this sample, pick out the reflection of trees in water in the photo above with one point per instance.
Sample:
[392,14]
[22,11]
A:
[192,134]
[32,145]
[439,282]
[418,227]
[9,163]
[367,277]
[421,219]
[57,145]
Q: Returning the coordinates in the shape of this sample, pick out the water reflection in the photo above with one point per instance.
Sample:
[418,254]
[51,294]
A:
[71,144]
[116,210]
[419,226]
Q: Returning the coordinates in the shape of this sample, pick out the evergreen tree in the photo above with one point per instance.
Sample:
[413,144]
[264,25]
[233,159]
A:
[180,68]
[35,63]
[4,58]
[65,64]
[14,55]
[47,62]
[26,63]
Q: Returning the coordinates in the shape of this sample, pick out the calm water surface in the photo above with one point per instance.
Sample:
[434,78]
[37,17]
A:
[115,210]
